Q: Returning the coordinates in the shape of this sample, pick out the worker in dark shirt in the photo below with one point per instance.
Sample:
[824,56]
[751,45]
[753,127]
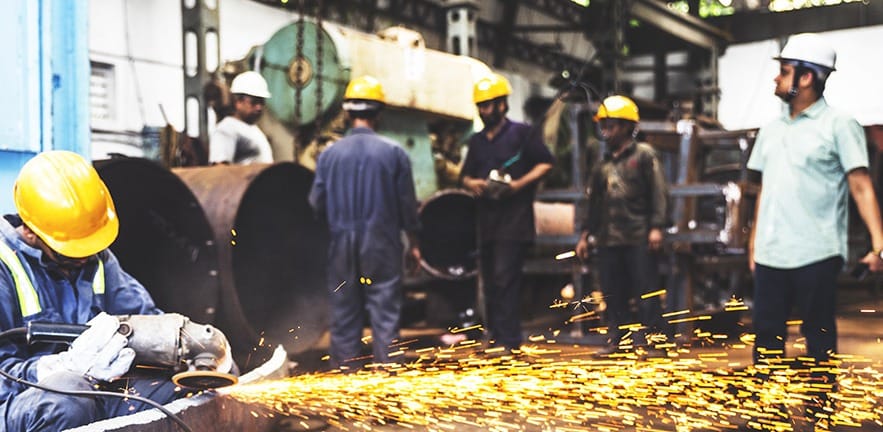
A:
[627,212]
[365,188]
[504,163]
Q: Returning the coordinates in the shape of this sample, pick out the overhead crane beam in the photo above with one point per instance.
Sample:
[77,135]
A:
[504,32]
[428,14]
[685,27]
[762,24]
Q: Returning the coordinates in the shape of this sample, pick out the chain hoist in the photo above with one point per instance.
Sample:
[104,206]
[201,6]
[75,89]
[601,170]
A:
[319,62]
[299,64]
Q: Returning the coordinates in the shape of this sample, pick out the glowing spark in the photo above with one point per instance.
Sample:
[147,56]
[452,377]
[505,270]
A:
[465,329]
[565,255]
[653,294]
[339,286]
[696,318]
[676,313]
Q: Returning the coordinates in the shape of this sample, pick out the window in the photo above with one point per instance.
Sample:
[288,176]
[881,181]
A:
[102,95]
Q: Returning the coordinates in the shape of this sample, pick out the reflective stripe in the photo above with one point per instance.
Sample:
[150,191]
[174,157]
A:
[98,281]
[27,295]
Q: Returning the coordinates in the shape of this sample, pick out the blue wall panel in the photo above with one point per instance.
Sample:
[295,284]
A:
[70,76]
[45,50]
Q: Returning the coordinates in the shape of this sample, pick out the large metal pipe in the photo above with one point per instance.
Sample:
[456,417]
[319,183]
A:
[165,240]
[271,250]
[448,242]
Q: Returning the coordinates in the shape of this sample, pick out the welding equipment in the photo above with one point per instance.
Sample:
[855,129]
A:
[199,353]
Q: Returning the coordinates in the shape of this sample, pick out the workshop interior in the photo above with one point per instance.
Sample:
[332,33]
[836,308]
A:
[236,256]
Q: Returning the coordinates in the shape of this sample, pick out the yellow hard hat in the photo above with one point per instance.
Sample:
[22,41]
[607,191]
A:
[60,197]
[490,88]
[618,107]
[365,88]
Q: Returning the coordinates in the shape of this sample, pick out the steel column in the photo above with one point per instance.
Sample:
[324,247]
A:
[199,24]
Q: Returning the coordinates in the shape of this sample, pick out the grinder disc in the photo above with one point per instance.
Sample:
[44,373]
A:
[204,380]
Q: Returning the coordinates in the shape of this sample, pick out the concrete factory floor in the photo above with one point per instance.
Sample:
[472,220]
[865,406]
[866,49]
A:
[859,320]
[860,326]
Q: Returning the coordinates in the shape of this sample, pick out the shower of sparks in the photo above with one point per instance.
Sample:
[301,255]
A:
[545,388]
[697,385]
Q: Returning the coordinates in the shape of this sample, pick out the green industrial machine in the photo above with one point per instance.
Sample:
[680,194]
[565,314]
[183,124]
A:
[428,92]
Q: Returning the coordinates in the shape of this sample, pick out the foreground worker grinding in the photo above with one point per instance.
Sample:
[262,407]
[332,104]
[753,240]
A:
[57,268]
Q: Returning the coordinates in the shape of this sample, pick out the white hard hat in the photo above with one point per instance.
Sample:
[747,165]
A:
[809,48]
[250,83]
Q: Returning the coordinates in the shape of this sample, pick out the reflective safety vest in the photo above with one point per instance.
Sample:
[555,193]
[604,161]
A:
[27,295]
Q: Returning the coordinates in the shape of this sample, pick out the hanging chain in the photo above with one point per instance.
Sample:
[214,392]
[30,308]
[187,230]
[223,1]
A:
[298,58]
[319,64]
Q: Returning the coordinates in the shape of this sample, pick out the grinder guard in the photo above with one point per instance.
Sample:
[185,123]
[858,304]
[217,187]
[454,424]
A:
[199,352]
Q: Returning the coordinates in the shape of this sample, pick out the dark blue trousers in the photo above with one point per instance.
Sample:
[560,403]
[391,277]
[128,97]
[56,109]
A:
[364,277]
[625,273]
[501,271]
[38,410]
[812,289]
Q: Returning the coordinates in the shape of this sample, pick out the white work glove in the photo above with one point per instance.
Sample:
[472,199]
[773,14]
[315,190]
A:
[225,365]
[100,352]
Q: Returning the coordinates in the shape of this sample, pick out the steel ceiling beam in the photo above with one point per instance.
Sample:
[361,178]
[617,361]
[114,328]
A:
[503,34]
[750,26]
[684,27]
[537,54]
[562,10]
[429,14]
[550,28]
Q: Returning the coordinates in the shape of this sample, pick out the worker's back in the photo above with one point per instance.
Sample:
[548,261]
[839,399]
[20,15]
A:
[367,184]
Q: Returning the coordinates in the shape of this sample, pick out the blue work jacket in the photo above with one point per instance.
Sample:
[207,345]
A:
[364,183]
[46,295]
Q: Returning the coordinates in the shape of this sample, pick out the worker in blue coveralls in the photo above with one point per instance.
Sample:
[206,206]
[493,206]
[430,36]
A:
[365,188]
[503,165]
[56,268]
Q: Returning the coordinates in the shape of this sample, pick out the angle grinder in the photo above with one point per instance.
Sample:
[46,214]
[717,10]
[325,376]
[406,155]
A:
[195,351]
